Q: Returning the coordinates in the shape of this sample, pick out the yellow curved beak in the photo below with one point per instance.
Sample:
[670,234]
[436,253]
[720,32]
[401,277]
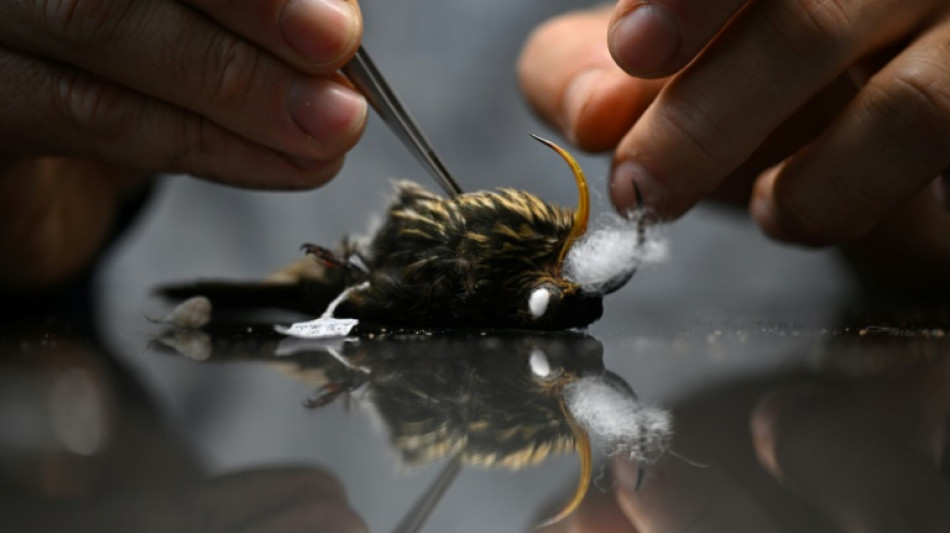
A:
[582,213]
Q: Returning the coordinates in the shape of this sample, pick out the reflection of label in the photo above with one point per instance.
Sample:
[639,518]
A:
[321,328]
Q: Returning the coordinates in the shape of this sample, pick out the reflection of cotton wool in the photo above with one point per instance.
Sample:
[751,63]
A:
[611,413]
[606,257]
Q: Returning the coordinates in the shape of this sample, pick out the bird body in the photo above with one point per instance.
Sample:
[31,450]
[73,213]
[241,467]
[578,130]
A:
[487,259]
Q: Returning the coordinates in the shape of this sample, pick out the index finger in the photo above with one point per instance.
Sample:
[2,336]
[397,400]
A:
[767,63]
[315,36]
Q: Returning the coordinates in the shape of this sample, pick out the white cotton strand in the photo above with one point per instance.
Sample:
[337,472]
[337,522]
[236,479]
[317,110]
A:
[604,258]
[610,413]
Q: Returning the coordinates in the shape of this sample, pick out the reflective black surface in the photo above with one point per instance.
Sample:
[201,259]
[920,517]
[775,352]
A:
[778,427]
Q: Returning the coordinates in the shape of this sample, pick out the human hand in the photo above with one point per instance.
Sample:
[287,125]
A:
[244,92]
[58,213]
[96,95]
[839,112]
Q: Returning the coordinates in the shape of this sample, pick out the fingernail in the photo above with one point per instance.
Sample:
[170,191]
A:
[630,184]
[326,111]
[320,31]
[576,96]
[645,40]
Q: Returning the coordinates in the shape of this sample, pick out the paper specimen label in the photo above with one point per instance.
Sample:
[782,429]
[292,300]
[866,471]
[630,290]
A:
[321,328]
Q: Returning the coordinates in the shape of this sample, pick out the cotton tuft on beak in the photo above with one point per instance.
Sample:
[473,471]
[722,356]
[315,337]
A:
[604,259]
[611,413]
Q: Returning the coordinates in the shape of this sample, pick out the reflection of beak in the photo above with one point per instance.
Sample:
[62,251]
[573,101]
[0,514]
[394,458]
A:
[416,517]
[582,213]
[620,383]
[606,406]
[582,439]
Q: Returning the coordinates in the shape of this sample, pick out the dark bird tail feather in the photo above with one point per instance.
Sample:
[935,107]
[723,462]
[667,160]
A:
[306,296]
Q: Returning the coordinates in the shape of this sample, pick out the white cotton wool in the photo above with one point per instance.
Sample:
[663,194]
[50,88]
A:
[604,258]
[611,413]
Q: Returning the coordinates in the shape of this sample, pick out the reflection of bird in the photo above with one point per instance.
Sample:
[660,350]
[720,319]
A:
[484,259]
[487,401]
[496,400]
[475,397]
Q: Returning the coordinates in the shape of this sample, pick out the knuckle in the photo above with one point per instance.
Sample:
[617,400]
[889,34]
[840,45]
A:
[192,148]
[920,93]
[232,69]
[826,18]
[201,148]
[87,104]
[82,20]
[910,105]
[811,28]
[700,128]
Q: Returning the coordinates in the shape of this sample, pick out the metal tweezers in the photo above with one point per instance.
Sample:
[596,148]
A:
[365,76]
[417,515]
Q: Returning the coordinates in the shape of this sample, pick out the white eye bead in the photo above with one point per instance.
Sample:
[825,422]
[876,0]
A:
[539,364]
[538,302]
